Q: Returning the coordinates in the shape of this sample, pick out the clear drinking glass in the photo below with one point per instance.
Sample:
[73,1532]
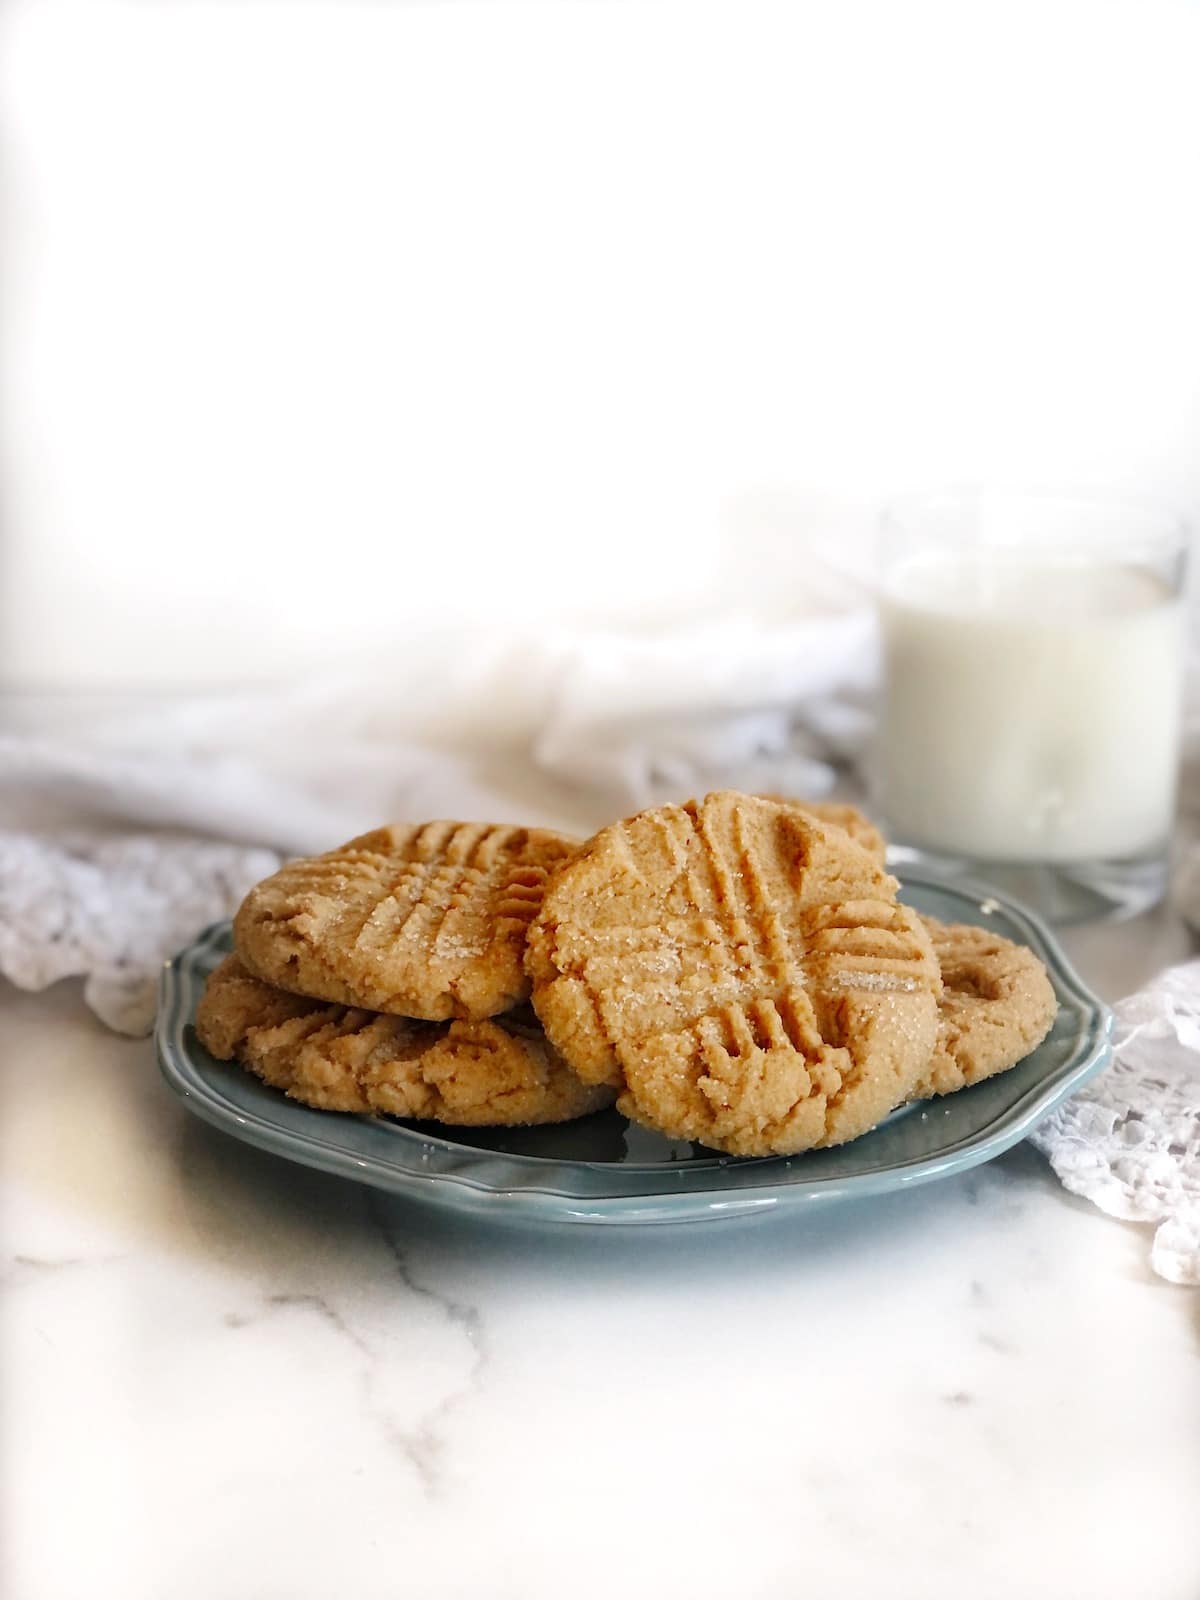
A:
[1030,725]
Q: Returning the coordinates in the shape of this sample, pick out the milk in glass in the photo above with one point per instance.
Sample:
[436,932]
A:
[1032,706]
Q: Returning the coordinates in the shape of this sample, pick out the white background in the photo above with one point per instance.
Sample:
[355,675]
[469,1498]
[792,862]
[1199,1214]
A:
[329,322]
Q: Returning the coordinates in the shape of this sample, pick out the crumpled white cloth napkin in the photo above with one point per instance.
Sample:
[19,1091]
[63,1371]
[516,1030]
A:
[123,833]
[642,719]
[293,770]
[1130,1140]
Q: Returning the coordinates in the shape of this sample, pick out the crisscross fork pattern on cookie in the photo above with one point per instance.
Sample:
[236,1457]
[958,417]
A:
[423,921]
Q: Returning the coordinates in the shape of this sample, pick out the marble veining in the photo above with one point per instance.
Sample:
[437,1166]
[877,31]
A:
[228,1378]
[23,1271]
[425,1447]
[421,1445]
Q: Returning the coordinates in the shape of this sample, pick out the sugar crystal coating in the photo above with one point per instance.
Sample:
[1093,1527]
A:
[423,921]
[740,971]
[855,822]
[342,1058]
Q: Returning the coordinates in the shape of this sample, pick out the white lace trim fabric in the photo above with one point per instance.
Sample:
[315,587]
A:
[111,909]
[1130,1141]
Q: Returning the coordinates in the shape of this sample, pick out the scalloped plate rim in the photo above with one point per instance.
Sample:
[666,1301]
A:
[705,1199]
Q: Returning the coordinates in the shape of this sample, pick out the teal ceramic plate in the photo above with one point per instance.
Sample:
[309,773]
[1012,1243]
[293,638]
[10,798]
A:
[605,1170]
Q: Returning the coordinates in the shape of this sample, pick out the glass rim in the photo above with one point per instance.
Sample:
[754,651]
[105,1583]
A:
[1136,523]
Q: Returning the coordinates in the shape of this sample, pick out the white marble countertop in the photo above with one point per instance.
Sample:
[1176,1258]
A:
[230,1379]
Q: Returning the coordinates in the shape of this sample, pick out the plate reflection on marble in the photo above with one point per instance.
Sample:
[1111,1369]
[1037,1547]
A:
[603,1169]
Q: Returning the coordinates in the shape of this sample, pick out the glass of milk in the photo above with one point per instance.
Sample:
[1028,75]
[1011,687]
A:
[1030,724]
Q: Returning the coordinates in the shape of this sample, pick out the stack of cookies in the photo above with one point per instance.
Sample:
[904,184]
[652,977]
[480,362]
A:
[388,976]
[736,971]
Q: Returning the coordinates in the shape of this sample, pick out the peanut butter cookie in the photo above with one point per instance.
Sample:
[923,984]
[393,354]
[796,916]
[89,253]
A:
[997,1005]
[424,921]
[859,826]
[338,1058]
[740,971]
